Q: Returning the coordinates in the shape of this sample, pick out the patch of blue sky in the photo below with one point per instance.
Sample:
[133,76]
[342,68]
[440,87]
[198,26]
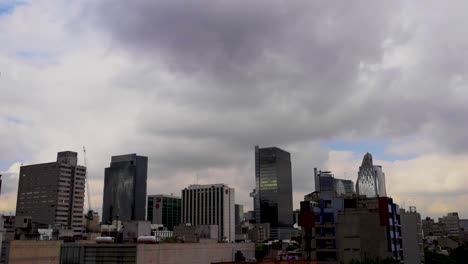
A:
[377,147]
[29,54]
[8,6]
[14,120]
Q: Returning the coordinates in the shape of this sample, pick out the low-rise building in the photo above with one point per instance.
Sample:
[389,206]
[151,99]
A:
[193,234]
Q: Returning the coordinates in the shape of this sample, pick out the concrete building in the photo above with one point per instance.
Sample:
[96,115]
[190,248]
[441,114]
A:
[411,228]
[464,224]
[163,253]
[164,210]
[452,226]
[432,228]
[211,204]
[53,193]
[371,179]
[198,233]
[273,202]
[370,229]
[338,229]
[239,213]
[125,189]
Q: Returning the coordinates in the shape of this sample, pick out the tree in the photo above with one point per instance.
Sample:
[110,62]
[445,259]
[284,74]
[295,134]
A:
[260,251]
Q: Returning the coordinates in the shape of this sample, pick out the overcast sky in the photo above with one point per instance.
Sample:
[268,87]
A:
[195,85]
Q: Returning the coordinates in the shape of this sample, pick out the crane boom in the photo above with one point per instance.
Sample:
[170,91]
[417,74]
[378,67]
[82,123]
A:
[89,215]
[88,193]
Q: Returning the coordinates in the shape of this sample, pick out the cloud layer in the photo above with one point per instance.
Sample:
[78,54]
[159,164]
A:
[196,86]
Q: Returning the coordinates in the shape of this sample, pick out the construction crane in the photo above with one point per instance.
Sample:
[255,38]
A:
[90,214]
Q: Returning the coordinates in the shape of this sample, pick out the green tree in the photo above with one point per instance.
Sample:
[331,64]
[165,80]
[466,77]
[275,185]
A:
[431,257]
[260,251]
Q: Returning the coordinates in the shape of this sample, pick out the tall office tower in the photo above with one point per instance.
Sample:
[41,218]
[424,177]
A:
[125,189]
[211,204]
[371,179]
[164,210]
[412,234]
[53,193]
[239,213]
[273,194]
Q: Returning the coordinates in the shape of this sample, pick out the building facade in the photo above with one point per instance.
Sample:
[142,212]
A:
[339,229]
[371,179]
[452,225]
[325,181]
[273,188]
[125,189]
[53,193]
[211,204]
[239,213]
[164,210]
[412,233]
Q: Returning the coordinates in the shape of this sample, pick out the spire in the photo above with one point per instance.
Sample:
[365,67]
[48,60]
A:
[367,160]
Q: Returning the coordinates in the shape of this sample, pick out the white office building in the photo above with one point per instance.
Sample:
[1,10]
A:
[211,204]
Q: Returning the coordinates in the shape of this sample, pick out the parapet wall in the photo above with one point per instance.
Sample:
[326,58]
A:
[196,253]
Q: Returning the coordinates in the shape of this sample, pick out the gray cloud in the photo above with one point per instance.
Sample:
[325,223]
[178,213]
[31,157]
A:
[195,86]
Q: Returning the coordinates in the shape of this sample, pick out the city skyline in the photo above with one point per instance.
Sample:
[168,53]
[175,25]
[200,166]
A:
[195,88]
[248,205]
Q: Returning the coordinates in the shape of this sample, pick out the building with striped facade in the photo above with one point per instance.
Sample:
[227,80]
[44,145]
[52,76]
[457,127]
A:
[211,204]
[53,193]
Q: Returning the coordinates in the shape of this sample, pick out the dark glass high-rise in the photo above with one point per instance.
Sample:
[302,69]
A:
[273,194]
[125,189]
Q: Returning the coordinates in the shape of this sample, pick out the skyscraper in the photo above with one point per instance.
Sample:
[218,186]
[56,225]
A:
[125,189]
[371,179]
[273,181]
[164,210]
[325,181]
[53,193]
[211,204]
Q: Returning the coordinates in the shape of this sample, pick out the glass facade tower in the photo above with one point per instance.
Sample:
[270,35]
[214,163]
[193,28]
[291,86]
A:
[273,194]
[371,179]
[125,189]
[164,210]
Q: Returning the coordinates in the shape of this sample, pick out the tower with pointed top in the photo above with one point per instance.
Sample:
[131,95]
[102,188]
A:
[371,179]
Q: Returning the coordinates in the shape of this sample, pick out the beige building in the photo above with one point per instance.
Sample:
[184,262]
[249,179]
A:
[53,193]
[34,252]
[54,252]
[452,226]
[360,235]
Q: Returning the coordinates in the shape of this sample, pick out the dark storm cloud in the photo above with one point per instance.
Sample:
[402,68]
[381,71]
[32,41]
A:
[245,53]
[287,73]
[264,72]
